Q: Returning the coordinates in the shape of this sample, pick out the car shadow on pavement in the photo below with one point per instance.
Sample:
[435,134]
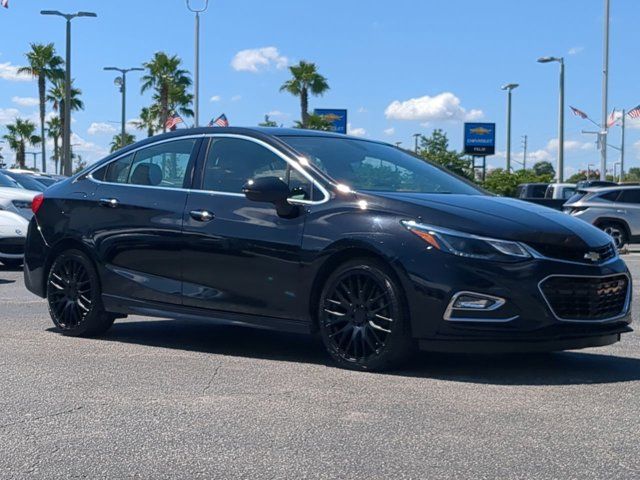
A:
[563,368]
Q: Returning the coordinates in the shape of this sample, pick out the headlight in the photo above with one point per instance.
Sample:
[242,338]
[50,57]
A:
[468,245]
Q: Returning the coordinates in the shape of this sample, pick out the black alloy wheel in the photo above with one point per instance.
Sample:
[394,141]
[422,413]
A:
[73,293]
[361,317]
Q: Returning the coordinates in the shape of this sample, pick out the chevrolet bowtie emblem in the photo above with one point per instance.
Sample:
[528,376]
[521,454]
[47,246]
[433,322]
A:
[593,256]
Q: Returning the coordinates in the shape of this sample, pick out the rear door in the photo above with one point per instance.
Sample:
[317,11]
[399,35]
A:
[628,208]
[136,224]
[240,256]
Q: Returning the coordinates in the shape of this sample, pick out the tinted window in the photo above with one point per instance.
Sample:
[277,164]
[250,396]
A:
[365,165]
[538,191]
[576,197]
[118,171]
[6,181]
[609,196]
[163,165]
[231,162]
[630,196]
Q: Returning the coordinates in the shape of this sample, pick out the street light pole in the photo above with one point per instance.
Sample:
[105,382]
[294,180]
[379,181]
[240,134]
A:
[560,60]
[509,88]
[416,136]
[66,134]
[605,93]
[196,82]
[525,140]
[123,90]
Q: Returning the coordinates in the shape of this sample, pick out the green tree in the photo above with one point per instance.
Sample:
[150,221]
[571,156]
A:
[54,132]
[56,97]
[544,168]
[305,80]
[436,150]
[20,134]
[315,122]
[578,176]
[116,143]
[44,65]
[81,164]
[268,122]
[149,120]
[500,182]
[632,175]
[169,83]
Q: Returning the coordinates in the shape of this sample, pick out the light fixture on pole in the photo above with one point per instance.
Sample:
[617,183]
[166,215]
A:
[66,134]
[560,60]
[196,81]
[122,83]
[509,87]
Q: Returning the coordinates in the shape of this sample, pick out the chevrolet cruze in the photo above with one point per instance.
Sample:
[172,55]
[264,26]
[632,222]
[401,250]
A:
[374,249]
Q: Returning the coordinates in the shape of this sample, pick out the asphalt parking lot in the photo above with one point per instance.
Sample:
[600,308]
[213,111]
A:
[163,399]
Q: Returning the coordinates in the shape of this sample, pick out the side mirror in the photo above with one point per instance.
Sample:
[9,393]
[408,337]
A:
[270,190]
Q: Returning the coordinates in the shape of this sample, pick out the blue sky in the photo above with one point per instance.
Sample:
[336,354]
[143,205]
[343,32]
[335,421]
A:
[399,67]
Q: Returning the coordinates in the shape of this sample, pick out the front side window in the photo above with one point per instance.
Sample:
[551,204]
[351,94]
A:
[231,162]
[364,165]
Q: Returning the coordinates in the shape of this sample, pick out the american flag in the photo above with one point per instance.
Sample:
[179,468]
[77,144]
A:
[221,121]
[5,3]
[613,118]
[173,121]
[578,113]
[635,112]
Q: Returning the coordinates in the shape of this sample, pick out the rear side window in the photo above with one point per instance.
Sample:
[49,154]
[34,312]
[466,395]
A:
[629,196]
[609,196]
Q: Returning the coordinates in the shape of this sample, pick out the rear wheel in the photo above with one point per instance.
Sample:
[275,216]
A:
[74,296]
[362,319]
[617,232]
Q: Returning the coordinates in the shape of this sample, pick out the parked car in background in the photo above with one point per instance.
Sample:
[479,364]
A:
[13,233]
[28,182]
[616,210]
[17,200]
[7,182]
[560,191]
[308,231]
[594,184]
[526,191]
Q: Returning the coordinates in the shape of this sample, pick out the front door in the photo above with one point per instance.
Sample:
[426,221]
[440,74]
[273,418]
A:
[137,221]
[241,256]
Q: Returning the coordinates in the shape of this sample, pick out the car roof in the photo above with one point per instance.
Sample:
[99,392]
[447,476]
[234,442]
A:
[562,184]
[611,188]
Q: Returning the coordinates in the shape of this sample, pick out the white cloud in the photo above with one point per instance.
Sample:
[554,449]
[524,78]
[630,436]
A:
[10,72]
[257,59]
[575,50]
[362,110]
[25,101]
[277,113]
[8,115]
[570,145]
[89,150]
[390,131]
[355,131]
[101,128]
[235,98]
[215,98]
[444,106]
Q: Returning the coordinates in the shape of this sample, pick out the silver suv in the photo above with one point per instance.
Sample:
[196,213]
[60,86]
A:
[616,210]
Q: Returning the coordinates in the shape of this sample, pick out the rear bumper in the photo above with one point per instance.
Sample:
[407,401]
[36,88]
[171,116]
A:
[35,257]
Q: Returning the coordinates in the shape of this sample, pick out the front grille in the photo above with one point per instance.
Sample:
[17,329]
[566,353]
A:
[12,245]
[582,255]
[586,298]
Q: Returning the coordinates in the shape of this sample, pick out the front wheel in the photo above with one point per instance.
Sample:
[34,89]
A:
[74,296]
[616,232]
[362,319]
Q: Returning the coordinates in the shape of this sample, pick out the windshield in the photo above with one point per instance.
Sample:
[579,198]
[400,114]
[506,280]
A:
[26,182]
[364,165]
[6,181]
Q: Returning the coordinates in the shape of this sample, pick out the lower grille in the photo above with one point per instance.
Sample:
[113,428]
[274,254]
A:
[586,298]
[12,245]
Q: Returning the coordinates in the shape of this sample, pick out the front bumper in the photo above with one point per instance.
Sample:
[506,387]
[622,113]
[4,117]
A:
[525,322]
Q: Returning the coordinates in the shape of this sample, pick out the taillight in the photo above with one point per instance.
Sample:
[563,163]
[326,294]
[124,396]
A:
[37,203]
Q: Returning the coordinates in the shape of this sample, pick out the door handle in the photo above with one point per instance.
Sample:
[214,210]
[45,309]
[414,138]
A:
[201,215]
[108,202]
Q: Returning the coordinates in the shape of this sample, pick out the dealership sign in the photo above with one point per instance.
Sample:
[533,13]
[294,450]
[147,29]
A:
[480,139]
[336,117]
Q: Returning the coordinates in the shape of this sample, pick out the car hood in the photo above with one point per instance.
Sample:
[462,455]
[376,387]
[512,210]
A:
[499,217]
[12,224]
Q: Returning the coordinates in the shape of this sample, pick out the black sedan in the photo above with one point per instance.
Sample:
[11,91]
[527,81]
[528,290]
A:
[303,231]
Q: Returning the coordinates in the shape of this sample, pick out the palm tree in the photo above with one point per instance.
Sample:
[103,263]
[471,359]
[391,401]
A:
[45,65]
[170,83]
[20,134]
[149,120]
[306,79]
[56,97]
[116,143]
[54,132]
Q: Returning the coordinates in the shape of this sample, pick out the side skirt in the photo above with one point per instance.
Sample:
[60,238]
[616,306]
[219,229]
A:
[128,306]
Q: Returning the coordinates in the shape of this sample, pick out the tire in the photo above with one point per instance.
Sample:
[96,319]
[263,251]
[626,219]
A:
[617,232]
[75,297]
[362,317]
[11,263]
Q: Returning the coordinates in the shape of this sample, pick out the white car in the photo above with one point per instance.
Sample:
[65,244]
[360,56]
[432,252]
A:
[17,200]
[13,233]
[560,191]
